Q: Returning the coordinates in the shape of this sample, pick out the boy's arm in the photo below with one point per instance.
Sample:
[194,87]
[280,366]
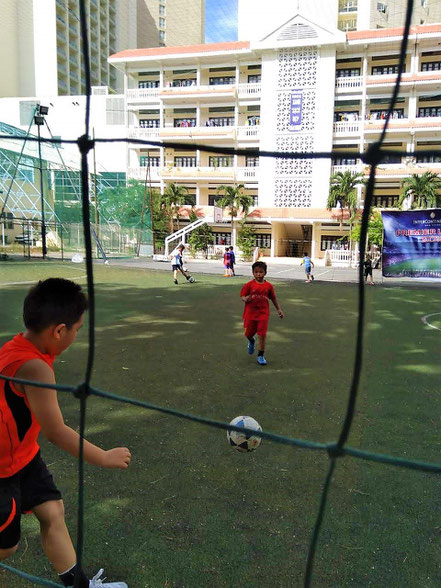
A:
[276,304]
[44,405]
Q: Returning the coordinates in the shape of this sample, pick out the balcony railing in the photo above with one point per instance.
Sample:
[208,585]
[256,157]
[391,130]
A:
[140,173]
[143,133]
[143,94]
[350,83]
[249,89]
[248,132]
[347,127]
[246,173]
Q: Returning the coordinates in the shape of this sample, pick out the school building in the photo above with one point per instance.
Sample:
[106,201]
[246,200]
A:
[302,86]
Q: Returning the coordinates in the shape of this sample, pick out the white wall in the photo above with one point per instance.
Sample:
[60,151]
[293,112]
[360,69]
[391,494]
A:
[45,47]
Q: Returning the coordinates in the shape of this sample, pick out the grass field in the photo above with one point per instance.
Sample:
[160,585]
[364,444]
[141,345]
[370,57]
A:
[190,511]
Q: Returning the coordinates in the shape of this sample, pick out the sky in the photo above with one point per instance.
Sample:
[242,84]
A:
[221,21]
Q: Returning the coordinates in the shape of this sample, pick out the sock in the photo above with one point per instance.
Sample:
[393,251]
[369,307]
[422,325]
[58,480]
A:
[260,353]
[68,578]
[250,339]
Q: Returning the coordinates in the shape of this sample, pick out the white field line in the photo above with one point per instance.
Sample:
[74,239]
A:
[323,273]
[34,281]
[426,322]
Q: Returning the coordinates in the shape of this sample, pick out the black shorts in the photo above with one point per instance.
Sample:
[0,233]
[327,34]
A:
[176,267]
[19,494]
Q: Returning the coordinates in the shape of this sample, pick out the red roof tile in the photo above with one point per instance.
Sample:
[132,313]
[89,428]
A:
[393,32]
[163,51]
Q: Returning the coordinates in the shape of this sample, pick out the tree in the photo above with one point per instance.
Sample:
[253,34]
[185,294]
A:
[200,238]
[174,198]
[246,239]
[375,229]
[233,198]
[343,192]
[423,191]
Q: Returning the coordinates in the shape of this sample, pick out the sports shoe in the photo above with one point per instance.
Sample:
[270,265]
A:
[97,582]
[261,360]
[250,347]
[175,281]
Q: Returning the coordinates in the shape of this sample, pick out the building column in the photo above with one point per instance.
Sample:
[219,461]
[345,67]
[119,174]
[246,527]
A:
[313,241]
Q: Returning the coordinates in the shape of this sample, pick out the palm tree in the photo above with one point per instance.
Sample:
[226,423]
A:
[233,198]
[343,193]
[174,197]
[423,191]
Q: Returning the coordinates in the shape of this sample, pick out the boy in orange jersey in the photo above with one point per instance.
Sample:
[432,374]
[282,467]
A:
[256,295]
[53,313]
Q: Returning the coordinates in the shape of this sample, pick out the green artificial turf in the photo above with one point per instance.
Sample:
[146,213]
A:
[191,511]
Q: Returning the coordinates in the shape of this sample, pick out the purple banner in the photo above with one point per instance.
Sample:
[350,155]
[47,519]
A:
[412,244]
[295,112]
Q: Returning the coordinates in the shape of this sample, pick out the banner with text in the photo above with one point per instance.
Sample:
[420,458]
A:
[412,244]
[295,111]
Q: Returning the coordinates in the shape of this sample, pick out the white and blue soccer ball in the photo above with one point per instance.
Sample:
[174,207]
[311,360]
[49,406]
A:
[191,280]
[243,441]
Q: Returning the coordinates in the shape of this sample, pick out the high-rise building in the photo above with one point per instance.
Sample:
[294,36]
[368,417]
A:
[169,23]
[42,40]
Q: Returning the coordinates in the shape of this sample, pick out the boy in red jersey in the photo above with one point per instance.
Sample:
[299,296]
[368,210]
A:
[53,313]
[256,295]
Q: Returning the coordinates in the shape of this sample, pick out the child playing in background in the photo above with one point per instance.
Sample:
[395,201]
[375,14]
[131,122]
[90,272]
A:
[256,295]
[307,261]
[178,264]
[368,269]
[227,263]
[53,314]
[232,260]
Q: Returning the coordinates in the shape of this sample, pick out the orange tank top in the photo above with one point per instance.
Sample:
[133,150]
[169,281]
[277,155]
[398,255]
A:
[19,428]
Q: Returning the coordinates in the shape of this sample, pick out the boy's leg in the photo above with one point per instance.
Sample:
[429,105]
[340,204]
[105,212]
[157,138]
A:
[175,276]
[261,332]
[55,537]
[250,332]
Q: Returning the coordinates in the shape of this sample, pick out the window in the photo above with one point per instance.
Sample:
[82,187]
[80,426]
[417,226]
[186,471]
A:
[222,81]
[149,123]
[25,170]
[9,224]
[148,84]
[221,121]
[212,199]
[385,201]
[428,158]
[254,78]
[190,199]
[429,111]
[262,240]
[152,161]
[162,22]
[344,161]
[381,114]
[184,82]
[251,161]
[348,72]
[332,242]
[222,238]
[185,161]
[431,66]
[184,122]
[161,10]
[162,36]
[220,161]
[382,7]
[381,70]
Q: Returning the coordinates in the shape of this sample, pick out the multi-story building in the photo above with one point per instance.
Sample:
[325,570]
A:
[301,88]
[43,43]
[172,22]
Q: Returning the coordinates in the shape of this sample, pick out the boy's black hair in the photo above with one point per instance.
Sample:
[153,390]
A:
[52,302]
[261,264]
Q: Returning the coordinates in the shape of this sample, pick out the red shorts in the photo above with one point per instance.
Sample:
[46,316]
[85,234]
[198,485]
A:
[252,327]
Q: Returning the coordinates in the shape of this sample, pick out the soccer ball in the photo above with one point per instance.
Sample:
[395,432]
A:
[191,280]
[242,441]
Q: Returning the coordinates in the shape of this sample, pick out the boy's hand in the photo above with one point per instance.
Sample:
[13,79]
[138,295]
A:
[119,457]
[280,311]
